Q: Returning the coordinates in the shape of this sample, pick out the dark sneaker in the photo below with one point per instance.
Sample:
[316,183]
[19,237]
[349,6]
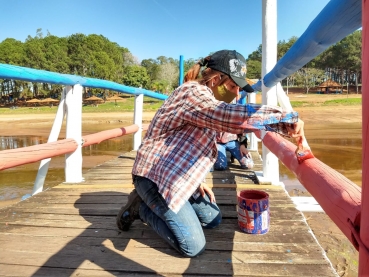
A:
[232,159]
[129,212]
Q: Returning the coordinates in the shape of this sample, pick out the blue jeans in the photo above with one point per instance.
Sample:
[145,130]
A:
[233,147]
[182,230]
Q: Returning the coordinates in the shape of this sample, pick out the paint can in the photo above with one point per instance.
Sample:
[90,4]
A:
[253,211]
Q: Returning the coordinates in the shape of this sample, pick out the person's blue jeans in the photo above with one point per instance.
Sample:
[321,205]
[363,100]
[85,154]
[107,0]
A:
[182,230]
[233,147]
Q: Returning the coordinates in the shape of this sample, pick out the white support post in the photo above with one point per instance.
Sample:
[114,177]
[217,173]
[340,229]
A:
[137,137]
[269,59]
[283,99]
[251,98]
[54,134]
[73,161]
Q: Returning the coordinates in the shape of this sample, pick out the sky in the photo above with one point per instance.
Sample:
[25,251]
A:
[153,28]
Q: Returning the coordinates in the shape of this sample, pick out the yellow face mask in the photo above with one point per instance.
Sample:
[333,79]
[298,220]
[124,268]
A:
[221,93]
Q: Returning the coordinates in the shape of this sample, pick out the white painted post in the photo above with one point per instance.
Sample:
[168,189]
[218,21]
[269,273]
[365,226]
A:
[54,134]
[283,99]
[251,98]
[137,119]
[269,59]
[73,161]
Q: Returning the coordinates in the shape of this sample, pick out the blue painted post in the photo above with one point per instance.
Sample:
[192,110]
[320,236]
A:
[180,81]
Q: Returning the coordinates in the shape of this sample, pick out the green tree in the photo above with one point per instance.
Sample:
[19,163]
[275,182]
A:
[253,69]
[187,64]
[56,54]
[136,76]
[342,61]
[35,56]
[169,73]
[283,46]
[11,52]
[309,77]
[254,64]
[159,86]
[34,50]
[256,55]
[152,68]
[79,54]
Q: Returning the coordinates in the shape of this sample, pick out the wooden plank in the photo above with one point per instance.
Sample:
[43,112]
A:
[210,262]
[139,230]
[230,222]
[75,225]
[22,270]
[110,209]
[109,223]
[124,184]
[241,249]
[121,199]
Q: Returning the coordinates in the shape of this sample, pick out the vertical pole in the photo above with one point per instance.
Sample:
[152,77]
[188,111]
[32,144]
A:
[287,86]
[73,161]
[269,59]
[364,224]
[54,134]
[251,98]
[180,82]
[137,119]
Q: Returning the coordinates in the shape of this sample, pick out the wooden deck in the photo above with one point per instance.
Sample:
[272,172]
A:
[70,230]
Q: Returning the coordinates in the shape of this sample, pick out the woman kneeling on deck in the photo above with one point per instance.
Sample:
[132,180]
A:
[179,149]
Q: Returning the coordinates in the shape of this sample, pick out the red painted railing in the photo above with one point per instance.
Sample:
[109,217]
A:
[338,196]
[25,155]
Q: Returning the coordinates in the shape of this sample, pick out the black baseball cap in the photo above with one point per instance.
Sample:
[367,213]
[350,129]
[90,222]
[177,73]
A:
[233,64]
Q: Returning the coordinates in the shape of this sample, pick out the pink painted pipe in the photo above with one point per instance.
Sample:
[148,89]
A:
[30,154]
[25,155]
[338,196]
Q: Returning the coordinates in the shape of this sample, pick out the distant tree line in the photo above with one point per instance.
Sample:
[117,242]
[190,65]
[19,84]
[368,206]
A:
[96,57]
[341,62]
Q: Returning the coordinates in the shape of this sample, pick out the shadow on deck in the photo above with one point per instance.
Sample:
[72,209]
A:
[70,230]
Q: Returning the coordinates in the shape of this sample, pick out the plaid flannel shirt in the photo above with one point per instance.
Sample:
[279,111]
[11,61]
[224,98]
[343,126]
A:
[179,147]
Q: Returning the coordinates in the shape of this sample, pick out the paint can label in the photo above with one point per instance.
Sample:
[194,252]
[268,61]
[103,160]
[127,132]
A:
[265,220]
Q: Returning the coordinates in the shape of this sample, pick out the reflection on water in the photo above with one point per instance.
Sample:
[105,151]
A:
[18,181]
[343,155]
[337,148]
[14,142]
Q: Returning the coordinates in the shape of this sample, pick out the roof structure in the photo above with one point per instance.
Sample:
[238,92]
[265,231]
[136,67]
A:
[330,84]
[93,98]
[34,100]
[49,100]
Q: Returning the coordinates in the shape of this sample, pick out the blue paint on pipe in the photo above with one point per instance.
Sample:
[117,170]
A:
[180,70]
[35,75]
[338,19]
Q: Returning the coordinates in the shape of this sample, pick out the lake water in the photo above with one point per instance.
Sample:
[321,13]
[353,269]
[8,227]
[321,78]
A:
[332,147]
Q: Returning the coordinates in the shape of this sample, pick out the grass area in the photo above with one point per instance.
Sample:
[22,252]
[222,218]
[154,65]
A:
[347,101]
[332,102]
[150,104]
[127,105]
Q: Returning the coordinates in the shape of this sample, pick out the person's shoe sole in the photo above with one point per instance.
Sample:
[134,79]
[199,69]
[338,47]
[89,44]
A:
[125,227]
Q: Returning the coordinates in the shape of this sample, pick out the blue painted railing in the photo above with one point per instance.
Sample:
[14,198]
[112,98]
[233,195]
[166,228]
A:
[42,76]
[338,19]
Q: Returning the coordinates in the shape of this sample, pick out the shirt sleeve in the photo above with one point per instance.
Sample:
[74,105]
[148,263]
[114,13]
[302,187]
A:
[202,109]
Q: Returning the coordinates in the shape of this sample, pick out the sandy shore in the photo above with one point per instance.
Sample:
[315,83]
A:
[338,248]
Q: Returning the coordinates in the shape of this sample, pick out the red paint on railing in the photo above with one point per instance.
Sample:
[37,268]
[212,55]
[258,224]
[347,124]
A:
[25,155]
[30,154]
[338,196]
[108,134]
